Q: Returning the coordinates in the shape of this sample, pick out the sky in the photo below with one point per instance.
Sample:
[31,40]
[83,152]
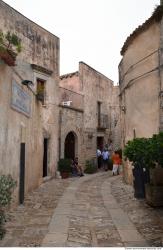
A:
[92,31]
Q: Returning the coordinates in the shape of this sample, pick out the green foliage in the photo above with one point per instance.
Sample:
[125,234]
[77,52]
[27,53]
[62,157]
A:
[136,151]
[146,152]
[10,41]
[91,167]
[64,165]
[6,187]
[157,148]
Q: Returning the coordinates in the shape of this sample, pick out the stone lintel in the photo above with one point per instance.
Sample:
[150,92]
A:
[42,69]
[75,109]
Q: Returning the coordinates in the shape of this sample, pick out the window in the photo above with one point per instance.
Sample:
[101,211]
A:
[41,90]
[99,112]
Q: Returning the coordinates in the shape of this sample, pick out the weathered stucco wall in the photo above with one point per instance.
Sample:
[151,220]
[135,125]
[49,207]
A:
[115,119]
[40,48]
[139,87]
[140,74]
[74,98]
[71,82]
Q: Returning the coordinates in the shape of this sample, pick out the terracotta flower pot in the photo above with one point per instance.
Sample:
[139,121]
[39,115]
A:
[64,175]
[154,195]
[9,57]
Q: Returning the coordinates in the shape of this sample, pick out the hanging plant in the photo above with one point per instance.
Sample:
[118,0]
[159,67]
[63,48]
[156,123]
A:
[10,46]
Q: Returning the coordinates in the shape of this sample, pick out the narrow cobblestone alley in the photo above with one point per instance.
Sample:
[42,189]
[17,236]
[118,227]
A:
[93,211]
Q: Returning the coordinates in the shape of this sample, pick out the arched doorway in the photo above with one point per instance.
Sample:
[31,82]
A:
[70,144]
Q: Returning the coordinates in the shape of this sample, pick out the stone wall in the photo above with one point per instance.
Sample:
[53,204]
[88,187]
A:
[96,88]
[72,121]
[41,49]
[85,89]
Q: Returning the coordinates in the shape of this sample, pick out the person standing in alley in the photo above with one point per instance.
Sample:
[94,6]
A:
[99,158]
[116,162]
[105,158]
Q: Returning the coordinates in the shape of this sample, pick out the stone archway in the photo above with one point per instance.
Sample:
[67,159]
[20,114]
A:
[70,146]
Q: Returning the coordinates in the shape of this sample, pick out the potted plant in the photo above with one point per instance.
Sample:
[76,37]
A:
[10,46]
[137,152]
[64,167]
[154,189]
[90,167]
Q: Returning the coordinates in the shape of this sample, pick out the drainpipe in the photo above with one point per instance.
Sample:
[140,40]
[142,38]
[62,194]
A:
[160,53]
[59,138]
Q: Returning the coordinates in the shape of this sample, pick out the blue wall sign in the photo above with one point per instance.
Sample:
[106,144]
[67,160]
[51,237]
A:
[20,101]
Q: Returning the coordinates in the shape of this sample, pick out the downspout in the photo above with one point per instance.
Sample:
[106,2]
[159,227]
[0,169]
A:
[59,138]
[160,55]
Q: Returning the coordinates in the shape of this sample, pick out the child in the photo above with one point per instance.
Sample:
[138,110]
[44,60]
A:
[116,162]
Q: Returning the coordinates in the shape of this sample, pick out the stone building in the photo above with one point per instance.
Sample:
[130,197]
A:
[89,113]
[141,82]
[28,124]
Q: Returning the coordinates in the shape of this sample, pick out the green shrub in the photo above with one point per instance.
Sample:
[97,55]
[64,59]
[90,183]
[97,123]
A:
[6,187]
[156,148]
[137,151]
[91,167]
[146,152]
[64,165]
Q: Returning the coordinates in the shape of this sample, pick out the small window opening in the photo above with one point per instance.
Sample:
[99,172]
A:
[41,90]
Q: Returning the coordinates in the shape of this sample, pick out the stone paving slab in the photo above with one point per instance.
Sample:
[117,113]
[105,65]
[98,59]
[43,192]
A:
[59,224]
[136,244]
[121,219]
[130,235]
[63,209]
[54,239]
[125,227]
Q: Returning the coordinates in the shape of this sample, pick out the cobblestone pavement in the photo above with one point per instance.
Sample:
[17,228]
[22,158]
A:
[96,210]
[90,223]
[27,225]
[148,220]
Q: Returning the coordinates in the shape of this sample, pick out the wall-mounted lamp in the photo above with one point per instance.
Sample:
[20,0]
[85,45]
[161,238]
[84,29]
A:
[27,82]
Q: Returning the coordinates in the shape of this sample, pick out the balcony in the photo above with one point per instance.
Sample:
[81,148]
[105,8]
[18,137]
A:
[103,122]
